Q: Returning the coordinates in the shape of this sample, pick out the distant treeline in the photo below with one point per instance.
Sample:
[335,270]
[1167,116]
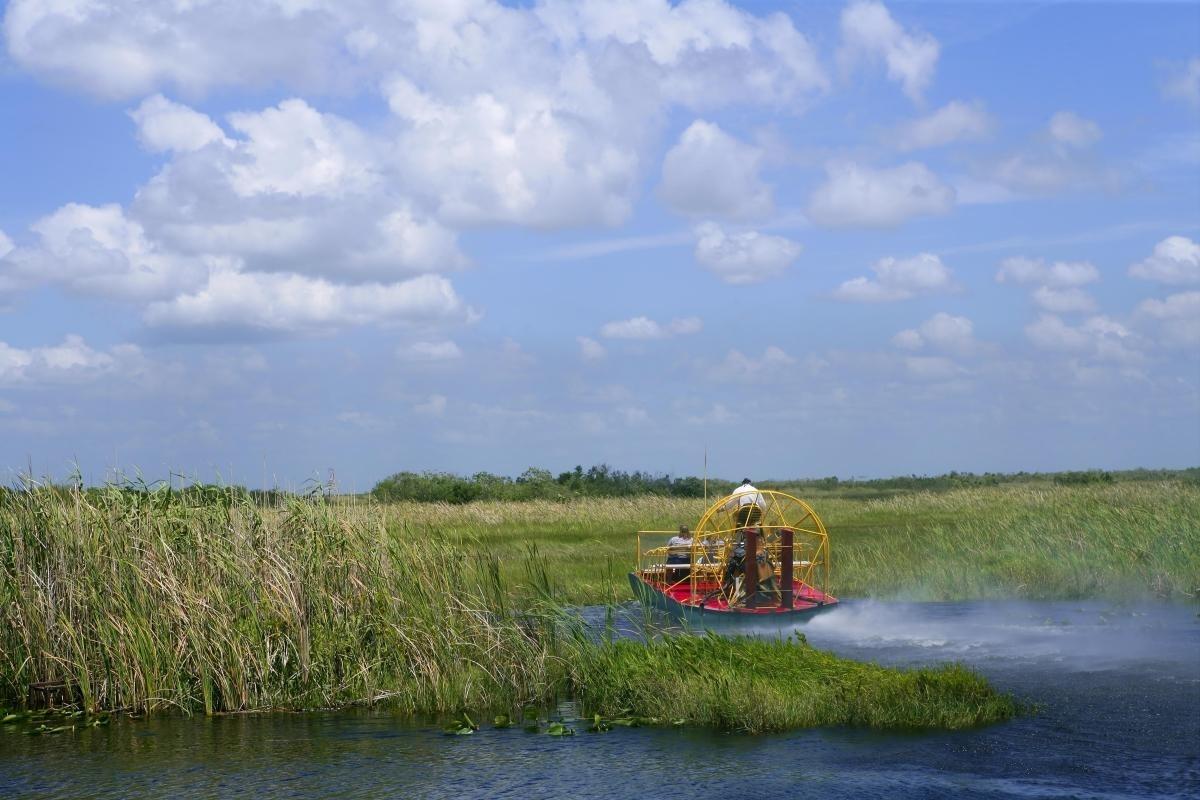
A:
[597,481]
[604,481]
[959,480]
[540,484]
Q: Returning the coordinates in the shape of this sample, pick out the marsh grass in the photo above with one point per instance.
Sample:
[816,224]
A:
[154,600]
[1119,541]
[586,546]
[758,686]
[1037,540]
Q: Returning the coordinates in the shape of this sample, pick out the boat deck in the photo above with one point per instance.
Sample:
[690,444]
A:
[708,592]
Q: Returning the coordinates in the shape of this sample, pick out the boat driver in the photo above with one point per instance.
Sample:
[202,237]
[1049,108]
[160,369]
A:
[747,504]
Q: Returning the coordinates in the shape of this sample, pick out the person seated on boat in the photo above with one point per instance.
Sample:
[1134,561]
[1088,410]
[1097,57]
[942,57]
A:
[679,555]
[747,504]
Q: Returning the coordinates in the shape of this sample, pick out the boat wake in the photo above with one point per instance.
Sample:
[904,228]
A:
[1077,636]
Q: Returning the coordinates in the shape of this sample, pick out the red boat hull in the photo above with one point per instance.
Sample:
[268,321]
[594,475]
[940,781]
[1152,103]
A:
[706,605]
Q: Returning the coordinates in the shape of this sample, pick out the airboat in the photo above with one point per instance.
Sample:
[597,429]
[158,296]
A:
[714,578]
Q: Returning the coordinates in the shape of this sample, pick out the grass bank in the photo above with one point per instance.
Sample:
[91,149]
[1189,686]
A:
[147,601]
[1037,540]
[760,686]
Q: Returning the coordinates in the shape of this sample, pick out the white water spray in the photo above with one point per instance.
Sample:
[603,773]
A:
[1075,636]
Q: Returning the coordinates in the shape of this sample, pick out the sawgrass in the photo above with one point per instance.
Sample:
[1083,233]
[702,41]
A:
[1037,540]
[587,545]
[155,600]
[1117,541]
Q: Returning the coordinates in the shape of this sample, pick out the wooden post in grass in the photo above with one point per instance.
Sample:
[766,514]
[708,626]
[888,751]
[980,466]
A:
[785,568]
[750,568]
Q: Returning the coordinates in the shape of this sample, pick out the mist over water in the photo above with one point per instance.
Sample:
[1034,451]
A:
[1076,636]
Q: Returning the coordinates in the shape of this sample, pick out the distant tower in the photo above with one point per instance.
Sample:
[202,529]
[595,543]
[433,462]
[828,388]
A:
[331,487]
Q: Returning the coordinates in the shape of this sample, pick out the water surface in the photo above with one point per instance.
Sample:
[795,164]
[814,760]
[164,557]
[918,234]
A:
[1118,688]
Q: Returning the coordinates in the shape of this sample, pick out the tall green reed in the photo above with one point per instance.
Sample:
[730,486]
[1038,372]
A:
[153,599]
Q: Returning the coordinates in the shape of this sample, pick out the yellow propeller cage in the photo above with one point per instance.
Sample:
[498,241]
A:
[715,536]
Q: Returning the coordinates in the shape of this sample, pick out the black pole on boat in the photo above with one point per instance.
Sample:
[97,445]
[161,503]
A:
[785,568]
[750,568]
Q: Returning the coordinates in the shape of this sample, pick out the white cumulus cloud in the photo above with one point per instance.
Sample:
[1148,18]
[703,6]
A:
[1068,128]
[539,115]
[1055,161]
[942,331]
[741,258]
[164,125]
[293,149]
[1175,259]
[481,160]
[954,122]
[590,349]
[1179,316]
[908,339]
[870,34]
[1059,275]
[1098,337]
[1036,173]
[898,279]
[1057,284]
[444,350]
[276,303]
[72,361]
[700,48]
[646,328]
[737,366]
[710,173]
[296,191]
[856,195]
[97,250]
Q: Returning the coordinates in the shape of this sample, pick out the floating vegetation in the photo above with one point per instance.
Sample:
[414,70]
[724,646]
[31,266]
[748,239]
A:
[559,729]
[461,727]
[52,721]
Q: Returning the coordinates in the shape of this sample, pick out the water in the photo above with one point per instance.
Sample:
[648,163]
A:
[1119,690]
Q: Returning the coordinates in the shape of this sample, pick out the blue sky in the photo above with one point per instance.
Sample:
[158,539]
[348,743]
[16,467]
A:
[260,240]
